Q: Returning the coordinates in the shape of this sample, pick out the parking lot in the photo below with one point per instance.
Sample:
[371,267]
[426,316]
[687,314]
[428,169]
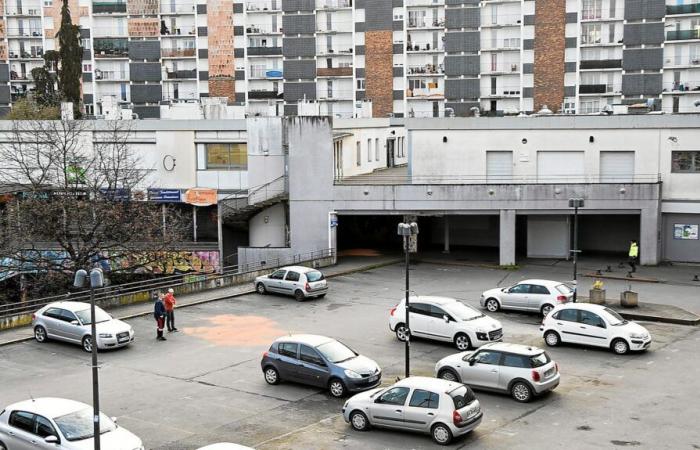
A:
[205,385]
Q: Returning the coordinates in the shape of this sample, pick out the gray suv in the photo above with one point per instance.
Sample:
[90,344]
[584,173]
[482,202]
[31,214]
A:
[319,361]
[519,370]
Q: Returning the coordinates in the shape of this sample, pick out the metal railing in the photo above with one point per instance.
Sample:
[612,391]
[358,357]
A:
[381,178]
[152,286]
[248,197]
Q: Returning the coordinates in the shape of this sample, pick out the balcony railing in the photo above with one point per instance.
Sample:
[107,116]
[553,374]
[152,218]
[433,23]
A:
[426,23]
[425,92]
[683,61]
[181,74]
[503,92]
[423,47]
[424,2]
[24,32]
[107,32]
[263,5]
[111,75]
[333,4]
[21,76]
[683,35]
[110,48]
[334,51]
[262,95]
[682,86]
[264,73]
[118,7]
[178,52]
[36,53]
[264,51]
[501,68]
[426,69]
[601,64]
[23,10]
[335,95]
[180,7]
[599,88]
[263,29]
[693,8]
[334,71]
[336,26]
[500,20]
[178,31]
[602,14]
[501,44]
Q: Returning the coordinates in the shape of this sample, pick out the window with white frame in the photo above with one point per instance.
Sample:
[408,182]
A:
[590,33]
[358,153]
[369,150]
[376,149]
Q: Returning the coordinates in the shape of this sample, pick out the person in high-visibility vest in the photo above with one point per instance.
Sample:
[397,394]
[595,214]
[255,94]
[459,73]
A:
[633,256]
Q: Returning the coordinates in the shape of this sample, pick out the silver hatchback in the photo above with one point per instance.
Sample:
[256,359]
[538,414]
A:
[519,370]
[298,281]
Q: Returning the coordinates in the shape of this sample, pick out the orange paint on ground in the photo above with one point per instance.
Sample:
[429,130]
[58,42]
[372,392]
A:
[237,331]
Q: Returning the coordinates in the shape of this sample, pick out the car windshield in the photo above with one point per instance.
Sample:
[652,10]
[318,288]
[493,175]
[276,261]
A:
[462,396]
[464,312]
[77,425]
[85,316]
[615,318]
[539,360]
[564,289]
[314,275]
[336,352]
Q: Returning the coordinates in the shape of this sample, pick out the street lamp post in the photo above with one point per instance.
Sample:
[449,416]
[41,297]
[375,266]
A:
[575,203]
[94,280]
[407,230]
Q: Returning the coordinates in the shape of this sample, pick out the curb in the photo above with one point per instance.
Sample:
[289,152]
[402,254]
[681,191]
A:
[660,319]
[460,263]
[622,278]
[237,294]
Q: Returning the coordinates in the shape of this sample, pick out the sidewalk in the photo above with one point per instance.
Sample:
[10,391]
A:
[348,265]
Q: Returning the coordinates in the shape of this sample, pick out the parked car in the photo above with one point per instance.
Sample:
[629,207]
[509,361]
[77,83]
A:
[319,361]
[528,295]
[59,424]
[444,409]
[595,325]
[71,322]
[444,319]
[519,370]
[301,282]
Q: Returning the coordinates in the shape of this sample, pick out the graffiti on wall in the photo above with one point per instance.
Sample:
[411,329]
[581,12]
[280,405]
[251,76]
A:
[167,263]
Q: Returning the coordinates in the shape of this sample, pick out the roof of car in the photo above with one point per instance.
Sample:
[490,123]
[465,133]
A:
[312,340]
[70,306]
[433,299]
[428,383]
[544,282]
[519,349]
[584,306]
[48,406]
[300,269]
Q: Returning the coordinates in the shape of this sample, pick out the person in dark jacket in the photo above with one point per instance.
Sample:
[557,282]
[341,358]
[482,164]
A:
[159,315]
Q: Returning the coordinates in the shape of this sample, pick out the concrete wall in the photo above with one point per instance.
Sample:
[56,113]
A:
[685,250]
[267,228]
[361,130]
[266,158]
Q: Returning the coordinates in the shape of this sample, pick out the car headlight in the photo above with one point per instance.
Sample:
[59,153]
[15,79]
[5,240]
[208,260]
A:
[352,374]
[105,335]
[637,335]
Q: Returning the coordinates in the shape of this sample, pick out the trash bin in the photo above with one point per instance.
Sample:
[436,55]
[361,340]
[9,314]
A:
[597,296]
[629,299]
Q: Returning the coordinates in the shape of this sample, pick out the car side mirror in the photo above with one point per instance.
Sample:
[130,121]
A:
[446,318]
[113,419]
[51,439]
[472,362]
[74,322]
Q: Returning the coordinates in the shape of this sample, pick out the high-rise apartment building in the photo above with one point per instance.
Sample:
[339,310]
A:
[421,58]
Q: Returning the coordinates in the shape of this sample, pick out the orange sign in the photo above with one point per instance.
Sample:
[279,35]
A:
[201,196]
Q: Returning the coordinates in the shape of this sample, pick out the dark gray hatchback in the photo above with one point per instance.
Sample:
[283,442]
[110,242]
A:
[319,361]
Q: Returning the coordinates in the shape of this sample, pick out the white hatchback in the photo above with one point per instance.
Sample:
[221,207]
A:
[528,295]
[444,319]
[595,325]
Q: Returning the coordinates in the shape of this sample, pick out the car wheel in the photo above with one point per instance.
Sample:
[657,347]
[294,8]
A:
[87,344]
[272,376]
[546,309]
[449,375]
[359,421]
[620,346]
[441,434]
[462,342]
[260,287]
[39,335]
[299,295]
[551,338]
[402,332]
[3,446]
[492,305]
[521,392]
[336,388]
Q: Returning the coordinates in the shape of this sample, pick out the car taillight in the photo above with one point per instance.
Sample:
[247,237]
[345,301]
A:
[535,376]
[561,298]
[393,310]
[307,287]
[265,354]
[33,317]
[456,417]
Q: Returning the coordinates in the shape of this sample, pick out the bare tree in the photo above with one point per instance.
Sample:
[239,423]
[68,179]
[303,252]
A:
[78,200]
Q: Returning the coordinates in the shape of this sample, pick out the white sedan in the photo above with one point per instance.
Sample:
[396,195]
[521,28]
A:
[528,295]
[59,424]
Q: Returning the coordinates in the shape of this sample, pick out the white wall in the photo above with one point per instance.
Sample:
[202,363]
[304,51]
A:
[171,145]
[361,130]
[270,233]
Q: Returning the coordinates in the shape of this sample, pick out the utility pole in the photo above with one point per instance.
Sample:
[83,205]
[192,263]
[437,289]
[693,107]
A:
[407,230]
[575,203]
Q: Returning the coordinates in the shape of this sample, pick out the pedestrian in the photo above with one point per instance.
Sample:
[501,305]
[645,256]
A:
[159,315]
[169,302]
[633,256]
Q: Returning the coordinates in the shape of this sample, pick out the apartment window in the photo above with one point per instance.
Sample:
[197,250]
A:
[685,162]
[360,84]
[86,44]
[358,151]
[591,9]
[226,156]
[416,84]
[369,150]
[590,33]
[376,149]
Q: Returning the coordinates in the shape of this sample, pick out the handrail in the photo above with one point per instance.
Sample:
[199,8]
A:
[236,203]
[135,287]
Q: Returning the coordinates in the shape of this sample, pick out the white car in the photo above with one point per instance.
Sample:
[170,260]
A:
[528,295]
[298,281]
[444,319]
[442,408]
[59,424]
[71,322]
[595,325]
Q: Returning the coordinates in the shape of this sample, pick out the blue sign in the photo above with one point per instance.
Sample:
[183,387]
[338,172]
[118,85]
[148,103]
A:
[117,195]
[165,195]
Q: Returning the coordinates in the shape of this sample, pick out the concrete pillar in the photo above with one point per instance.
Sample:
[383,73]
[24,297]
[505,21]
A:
[447,234]
[507,237]
[649,227]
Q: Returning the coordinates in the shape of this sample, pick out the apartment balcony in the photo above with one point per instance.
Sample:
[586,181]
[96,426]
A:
[264,51]
[36,54]
[24,33]
[424,3]
[18,9]
[425,70]
[178,53]
[683,35]
[683,62]
[334,71]
[110,32]
[597,41]
[428,93]
[264,95]
[601,64]
[263,29]
[504,92]
[264,74]
[336,51]
[501,21]
[335,27]
[110,48]
[672,10]
[190,74]
[114,7]
[334,96]
[495,45]
[501,69]
[177,31]
[600,89]
[682,87]
[333,5]
[424,47]
[602,15]
[177,8]
[111,75]
[20,76]
[425,24]
[263,6]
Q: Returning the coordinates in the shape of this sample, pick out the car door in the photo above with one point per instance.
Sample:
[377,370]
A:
[438,326]
[313,369]
[288,361]
[291,283]
[71,326]
[593,329]
[43,428]
[512,366]
[51,319]
[484,369]
[274,280]
[538,296]
[517,296]
[20,431]
[387,409]
[421,410]
[420,319]
[566,322]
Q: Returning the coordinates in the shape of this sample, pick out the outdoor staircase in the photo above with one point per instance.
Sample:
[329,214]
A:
[238,208]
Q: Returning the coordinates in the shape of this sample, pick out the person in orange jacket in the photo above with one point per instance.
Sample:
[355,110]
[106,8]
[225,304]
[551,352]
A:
[169,301]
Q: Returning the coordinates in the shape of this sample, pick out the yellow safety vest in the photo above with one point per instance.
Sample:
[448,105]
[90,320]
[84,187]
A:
[634,251]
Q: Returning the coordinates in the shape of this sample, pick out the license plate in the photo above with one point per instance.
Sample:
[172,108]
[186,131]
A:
[549,373]
[122,340]
[373,378]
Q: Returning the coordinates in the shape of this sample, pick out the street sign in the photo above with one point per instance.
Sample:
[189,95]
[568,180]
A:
[164,195]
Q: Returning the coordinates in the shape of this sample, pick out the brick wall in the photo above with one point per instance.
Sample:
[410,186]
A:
[142,7]
[143,27]
[221,46]
[550,24]
[379,78]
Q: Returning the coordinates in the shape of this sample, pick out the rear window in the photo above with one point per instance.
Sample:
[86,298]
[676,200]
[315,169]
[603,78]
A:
[314,275]
[462,396]
[564,289]
[540,360]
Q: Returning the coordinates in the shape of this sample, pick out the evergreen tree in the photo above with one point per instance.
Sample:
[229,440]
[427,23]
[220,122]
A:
[70,55]
[45,80]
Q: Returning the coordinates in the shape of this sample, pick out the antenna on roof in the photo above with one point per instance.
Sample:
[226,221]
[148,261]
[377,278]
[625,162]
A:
[30,395]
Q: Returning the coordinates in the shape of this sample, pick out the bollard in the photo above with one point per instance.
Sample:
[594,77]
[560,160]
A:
[695,278]
[608,269]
